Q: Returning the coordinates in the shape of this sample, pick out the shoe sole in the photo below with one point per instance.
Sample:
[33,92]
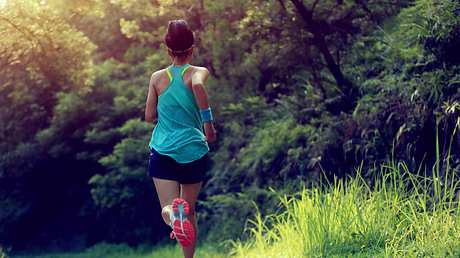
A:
[182,227]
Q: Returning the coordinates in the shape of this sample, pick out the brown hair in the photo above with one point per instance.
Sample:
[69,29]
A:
[179,39]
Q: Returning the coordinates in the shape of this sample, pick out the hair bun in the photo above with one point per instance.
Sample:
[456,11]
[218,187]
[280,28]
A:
[179,37]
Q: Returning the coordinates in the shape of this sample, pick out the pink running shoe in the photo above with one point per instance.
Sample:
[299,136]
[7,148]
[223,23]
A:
[183,229]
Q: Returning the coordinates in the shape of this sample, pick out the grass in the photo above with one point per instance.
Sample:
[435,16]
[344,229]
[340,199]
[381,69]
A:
[402,215]
[104,250]
[205,251]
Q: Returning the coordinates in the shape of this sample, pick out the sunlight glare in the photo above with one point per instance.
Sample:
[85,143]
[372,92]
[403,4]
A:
[2,3]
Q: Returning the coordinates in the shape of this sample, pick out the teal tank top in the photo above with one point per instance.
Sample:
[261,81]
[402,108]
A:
[179,130]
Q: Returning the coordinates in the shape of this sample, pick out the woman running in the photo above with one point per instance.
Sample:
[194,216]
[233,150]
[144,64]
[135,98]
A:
[179,146]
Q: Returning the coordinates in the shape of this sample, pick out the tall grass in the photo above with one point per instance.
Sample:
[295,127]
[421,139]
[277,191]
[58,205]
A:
[402,215]
[2,254]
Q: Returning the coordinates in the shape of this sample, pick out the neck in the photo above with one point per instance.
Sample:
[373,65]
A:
[178,62]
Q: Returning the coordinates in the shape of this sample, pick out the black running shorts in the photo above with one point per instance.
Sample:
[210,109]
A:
[165,167]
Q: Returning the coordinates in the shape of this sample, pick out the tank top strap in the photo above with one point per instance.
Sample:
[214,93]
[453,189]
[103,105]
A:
[184,70]
[169,74]
[177,72]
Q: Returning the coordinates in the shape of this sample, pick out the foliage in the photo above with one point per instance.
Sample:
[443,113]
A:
[124,193]
[2,253]
[74,82]
[38,48]
[397,217]
[124,251]
[404,89]
[41,56]
[243,205]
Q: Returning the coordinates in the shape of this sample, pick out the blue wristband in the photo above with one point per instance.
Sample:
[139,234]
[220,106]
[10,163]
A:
[206,115]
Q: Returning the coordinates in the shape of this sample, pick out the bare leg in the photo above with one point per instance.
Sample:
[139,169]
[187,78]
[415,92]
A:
[167,191]
[189,192]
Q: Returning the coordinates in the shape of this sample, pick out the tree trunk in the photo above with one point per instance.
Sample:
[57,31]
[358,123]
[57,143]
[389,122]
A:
[344,84]
[319,41]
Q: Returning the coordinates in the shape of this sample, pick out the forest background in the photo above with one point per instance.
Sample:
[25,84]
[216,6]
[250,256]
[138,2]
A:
[302,91]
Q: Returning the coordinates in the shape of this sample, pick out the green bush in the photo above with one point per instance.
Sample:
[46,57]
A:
[125,193]
[218,225]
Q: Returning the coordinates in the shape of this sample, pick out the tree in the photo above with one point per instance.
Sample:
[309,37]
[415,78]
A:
[333,24]
[40,55]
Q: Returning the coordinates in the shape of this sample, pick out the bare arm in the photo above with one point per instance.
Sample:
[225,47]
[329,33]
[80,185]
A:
[199,77]
[152,99]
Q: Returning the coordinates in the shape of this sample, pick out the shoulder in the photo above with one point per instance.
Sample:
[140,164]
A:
[199,69]
[200,72]
[158,75]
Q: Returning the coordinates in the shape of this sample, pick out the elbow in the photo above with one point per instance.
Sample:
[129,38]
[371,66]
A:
[150,118]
